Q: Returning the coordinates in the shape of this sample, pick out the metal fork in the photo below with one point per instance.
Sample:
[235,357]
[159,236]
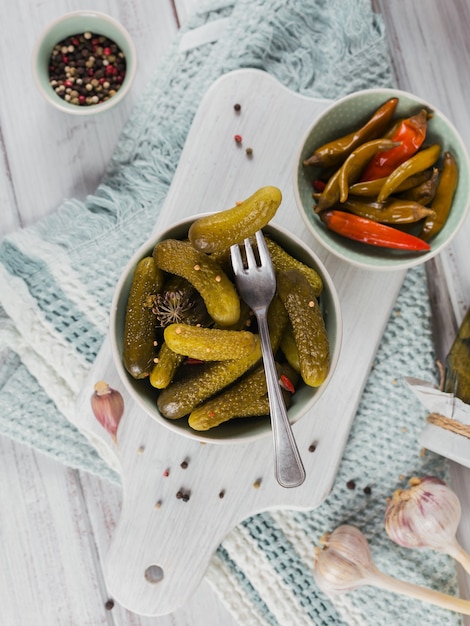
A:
[257,286]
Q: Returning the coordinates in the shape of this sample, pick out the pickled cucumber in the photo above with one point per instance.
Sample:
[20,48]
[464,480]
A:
[165,367]
[218,292]
[209,344]
[203,381]
[282,260]
[289,348]
[139,348]
[216,232]
[308,325]
[247,398]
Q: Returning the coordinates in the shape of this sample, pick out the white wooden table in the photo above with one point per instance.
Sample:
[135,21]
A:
[56,523]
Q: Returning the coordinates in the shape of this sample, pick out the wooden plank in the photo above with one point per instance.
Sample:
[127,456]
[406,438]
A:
[430,48]
[47,571]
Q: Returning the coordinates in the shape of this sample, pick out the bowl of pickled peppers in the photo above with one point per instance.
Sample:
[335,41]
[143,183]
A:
[186,346]
[382,179]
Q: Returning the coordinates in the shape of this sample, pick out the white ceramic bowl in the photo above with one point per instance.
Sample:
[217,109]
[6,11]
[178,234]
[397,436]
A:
[238,430]
[79,22]
[343,117]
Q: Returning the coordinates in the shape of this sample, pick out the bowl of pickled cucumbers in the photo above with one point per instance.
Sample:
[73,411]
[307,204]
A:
[186,345]
[382,179]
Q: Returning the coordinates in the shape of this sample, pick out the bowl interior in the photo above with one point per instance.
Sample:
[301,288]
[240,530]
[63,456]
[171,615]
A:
[76,23]
[345,116]
[239,430]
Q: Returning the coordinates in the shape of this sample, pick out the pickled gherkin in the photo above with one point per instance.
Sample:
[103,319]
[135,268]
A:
[139,343]
[205,380]
[308,326]
[165,367]
[209,344]
[218,231]
[202,382]
[246,398]
[218,292]
[282,260]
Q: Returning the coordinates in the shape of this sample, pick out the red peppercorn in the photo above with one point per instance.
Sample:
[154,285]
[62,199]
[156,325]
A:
[64,59]
[75,41]
[107,51]
[90,71]
[81,99]
[238,138]
[68,83]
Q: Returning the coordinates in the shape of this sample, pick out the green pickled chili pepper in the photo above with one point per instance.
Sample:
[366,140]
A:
[425,192]
[420,161]
[371,188]
[393,211]
[443,199]
[334,152]
[330,194]
[357,160]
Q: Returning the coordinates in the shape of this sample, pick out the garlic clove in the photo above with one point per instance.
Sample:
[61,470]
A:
[108,407]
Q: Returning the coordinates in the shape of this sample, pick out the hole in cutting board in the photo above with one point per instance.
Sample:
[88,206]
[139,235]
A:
[154,574]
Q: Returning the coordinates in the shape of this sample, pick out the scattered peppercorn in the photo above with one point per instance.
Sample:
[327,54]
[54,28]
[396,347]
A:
[257,483]
[238,138]
[158,504]
[367,490]
[351,484]
[184,464]
[109,605]
[249,152]
[86,69]
[221,494]
[179,495]
[237,107]
[166,473]
[312,447]
[185,497]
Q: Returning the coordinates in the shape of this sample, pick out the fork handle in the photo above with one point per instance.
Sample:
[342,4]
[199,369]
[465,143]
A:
[288,467]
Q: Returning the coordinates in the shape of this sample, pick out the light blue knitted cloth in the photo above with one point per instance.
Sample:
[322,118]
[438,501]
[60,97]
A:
[52,322]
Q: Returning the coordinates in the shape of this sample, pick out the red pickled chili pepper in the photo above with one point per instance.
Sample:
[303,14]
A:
[367,231]
[286,383]
[319,185]
[410,133]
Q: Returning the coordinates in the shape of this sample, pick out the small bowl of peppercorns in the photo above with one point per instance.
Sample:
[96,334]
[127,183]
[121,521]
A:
[84,63]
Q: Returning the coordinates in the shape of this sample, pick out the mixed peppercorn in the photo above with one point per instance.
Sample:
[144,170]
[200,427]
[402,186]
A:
[86,69]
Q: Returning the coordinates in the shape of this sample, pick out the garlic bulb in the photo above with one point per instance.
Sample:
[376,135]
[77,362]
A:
[426,515]
[345,563]
[108,406]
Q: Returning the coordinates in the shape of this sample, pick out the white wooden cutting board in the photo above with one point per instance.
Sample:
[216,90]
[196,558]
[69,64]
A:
[163,543]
